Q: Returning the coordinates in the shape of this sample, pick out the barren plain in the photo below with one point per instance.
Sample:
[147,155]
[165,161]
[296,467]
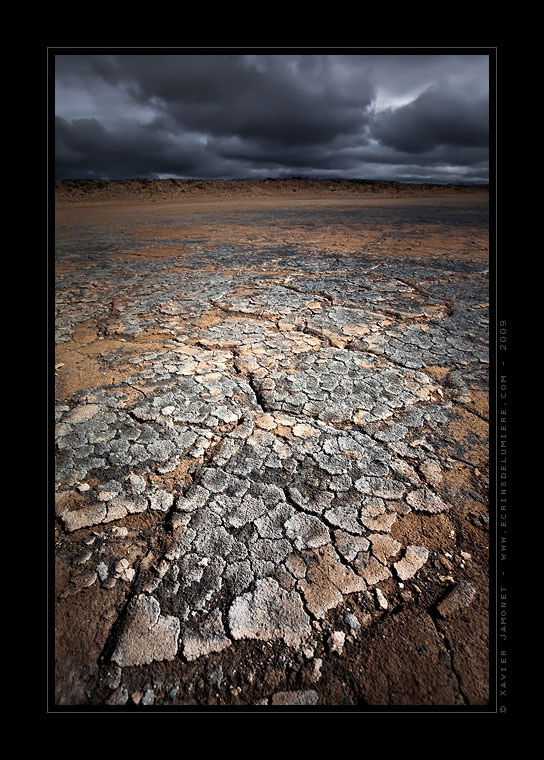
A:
[271,444]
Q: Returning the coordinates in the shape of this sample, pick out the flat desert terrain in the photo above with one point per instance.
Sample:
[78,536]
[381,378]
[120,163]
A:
[271,444]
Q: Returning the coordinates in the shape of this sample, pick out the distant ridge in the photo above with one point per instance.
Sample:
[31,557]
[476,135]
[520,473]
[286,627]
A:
[91,189]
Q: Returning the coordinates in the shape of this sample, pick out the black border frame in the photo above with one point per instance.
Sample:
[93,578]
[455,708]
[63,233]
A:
[500,563]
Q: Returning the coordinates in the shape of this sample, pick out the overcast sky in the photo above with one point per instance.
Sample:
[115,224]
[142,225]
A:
[411,118]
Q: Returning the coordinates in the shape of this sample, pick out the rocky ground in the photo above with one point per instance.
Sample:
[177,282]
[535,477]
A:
[271,445]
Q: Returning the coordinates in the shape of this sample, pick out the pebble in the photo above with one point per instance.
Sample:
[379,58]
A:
[336,641]
[112,678]
[459,597]
[216,677]
[383,604]
[308,697]
[352,621]
[148,697]
[102,570]
[119,697]
[316,671]
[83,557]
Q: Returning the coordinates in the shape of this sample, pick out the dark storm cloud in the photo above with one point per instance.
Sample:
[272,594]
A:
[85,148]
[272,115]
[440,116]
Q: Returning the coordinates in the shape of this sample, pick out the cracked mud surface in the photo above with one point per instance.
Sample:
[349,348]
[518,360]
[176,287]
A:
[271,451]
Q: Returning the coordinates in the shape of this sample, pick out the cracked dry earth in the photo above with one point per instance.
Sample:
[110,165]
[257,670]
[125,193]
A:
[271,452]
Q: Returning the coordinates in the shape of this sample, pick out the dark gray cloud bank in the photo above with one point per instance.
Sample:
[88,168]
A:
[410,118]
